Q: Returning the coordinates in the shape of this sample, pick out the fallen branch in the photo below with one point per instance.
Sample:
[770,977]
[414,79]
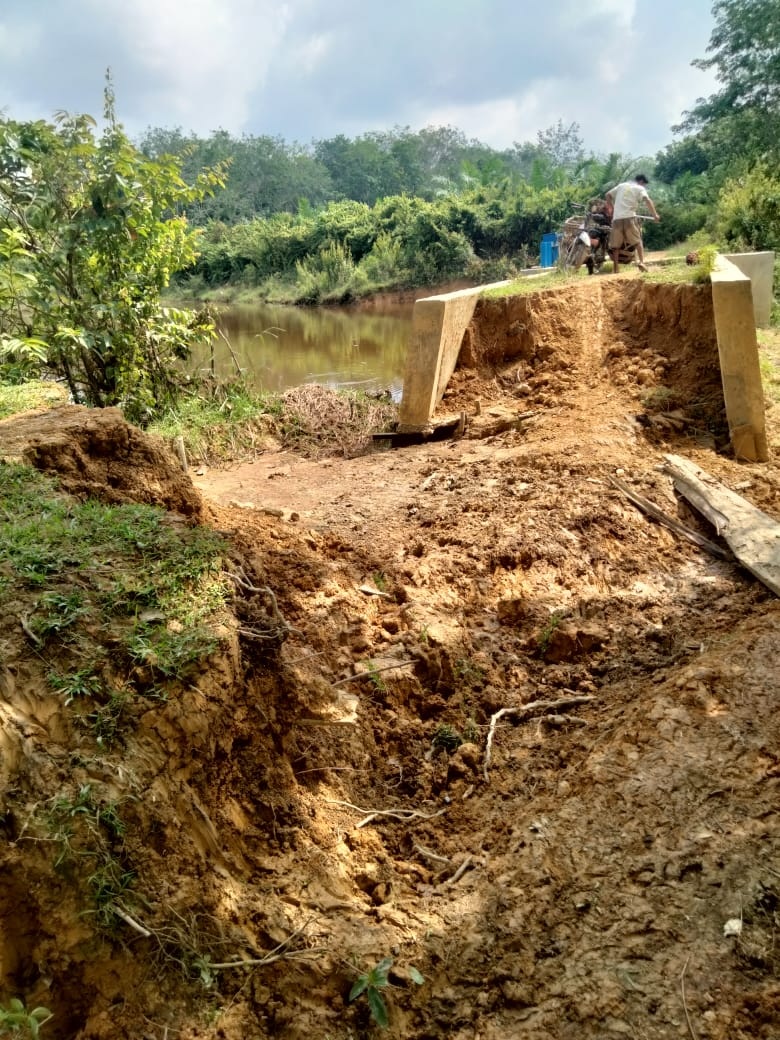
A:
[460,871]
[674,525]
[525,711]
[428,854]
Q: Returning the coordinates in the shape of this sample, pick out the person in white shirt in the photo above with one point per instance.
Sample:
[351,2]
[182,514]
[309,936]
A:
[625,199]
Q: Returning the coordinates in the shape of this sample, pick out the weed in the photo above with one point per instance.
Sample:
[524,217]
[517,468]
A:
[375,678]
[471,731]
[373,982]
[73,685]
[470,673]
[16,1020]
[59,612]
[446,739]
[169,652]
[110,881]
[423,635]
[380,581]
[106,719]
[702,271]
[547,632]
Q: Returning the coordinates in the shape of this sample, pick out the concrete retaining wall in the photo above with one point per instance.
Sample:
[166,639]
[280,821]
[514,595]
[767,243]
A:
[760,269]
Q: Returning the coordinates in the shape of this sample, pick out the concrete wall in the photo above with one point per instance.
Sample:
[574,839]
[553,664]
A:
[760,269]
[438,325]
[732,301]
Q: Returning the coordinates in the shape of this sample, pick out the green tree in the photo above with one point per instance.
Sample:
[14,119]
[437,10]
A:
[743,117]
[91,232]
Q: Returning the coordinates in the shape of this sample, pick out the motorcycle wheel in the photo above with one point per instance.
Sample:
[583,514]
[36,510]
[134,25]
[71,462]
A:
[576,256]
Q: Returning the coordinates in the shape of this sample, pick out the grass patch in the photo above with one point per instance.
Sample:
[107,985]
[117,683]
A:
[769,360]
[106,589]
[37,393]
[232,422]
[528,284]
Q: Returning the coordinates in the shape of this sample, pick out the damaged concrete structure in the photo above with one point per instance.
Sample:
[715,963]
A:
[741,296]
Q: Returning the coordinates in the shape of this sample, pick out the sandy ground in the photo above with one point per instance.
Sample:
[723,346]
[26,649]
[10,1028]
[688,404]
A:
[599,860]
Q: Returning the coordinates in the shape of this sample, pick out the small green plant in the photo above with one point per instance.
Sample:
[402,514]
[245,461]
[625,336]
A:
[423,636]
[380,580]
[375,678]
[16,1020]
[702,272]
[373,982]
[547,632]
[446,738]
[73,685]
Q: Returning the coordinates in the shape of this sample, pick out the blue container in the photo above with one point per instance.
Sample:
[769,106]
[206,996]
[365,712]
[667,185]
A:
[548,251]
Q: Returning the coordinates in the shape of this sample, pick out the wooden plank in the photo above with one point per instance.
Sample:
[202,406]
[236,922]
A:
[669,521]
[752,535]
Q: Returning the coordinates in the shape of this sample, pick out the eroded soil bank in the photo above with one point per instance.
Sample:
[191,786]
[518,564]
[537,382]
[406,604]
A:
[335,794]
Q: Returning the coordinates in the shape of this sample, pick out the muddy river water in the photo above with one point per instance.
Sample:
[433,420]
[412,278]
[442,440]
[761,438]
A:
[281,347]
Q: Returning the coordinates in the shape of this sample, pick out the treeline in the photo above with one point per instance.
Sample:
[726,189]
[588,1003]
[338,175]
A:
[349,217]
[93,228]
[340,217]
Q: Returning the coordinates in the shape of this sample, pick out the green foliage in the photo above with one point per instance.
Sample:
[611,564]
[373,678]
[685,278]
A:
[373,982]
[91,231]
[706,264]
[84,568]
[171,653]
[446,738]
[17,1021]
[748,210]
[543,641]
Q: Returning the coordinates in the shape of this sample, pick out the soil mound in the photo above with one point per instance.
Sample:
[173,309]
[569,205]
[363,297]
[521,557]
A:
[96,453]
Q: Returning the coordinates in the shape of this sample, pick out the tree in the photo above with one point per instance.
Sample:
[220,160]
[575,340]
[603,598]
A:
[744,51]
[91,231]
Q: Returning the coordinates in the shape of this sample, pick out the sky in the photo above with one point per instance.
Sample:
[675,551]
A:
[304,70]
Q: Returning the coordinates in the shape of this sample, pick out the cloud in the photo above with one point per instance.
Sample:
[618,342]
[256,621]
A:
[500,70]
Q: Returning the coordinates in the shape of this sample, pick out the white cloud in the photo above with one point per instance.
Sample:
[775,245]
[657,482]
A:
[500,70]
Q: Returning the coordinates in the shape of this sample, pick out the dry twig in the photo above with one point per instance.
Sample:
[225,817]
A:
[526,711]
[371,672]
[685,1003]
[393,814]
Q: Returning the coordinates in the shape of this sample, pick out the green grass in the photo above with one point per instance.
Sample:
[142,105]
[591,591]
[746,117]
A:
[80,575]
[769,360]
[35,394]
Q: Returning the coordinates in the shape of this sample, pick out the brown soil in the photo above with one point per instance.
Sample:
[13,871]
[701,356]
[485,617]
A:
[575,885]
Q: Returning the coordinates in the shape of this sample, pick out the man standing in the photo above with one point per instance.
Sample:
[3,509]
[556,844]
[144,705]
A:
[625,199]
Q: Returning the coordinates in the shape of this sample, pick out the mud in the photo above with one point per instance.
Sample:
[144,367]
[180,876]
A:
[575,882]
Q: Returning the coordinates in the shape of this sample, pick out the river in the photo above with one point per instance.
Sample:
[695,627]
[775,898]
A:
[281,347]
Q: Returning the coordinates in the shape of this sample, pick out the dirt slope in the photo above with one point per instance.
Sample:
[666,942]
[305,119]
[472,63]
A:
[574,884]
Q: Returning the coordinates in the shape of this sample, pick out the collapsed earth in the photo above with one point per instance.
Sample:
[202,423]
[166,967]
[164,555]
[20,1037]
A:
[459,742]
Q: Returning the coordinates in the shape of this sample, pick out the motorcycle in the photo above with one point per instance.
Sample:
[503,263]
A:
[585,240]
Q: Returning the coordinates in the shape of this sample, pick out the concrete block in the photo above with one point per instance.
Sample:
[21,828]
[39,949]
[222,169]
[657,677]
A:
[732,303]
[760,269]
[438,325]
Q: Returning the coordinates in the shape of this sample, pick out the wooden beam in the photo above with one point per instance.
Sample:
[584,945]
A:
[752,535]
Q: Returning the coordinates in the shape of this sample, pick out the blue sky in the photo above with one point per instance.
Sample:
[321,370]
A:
[499,70]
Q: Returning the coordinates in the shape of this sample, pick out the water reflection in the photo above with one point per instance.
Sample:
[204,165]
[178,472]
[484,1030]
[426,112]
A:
[282,347]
